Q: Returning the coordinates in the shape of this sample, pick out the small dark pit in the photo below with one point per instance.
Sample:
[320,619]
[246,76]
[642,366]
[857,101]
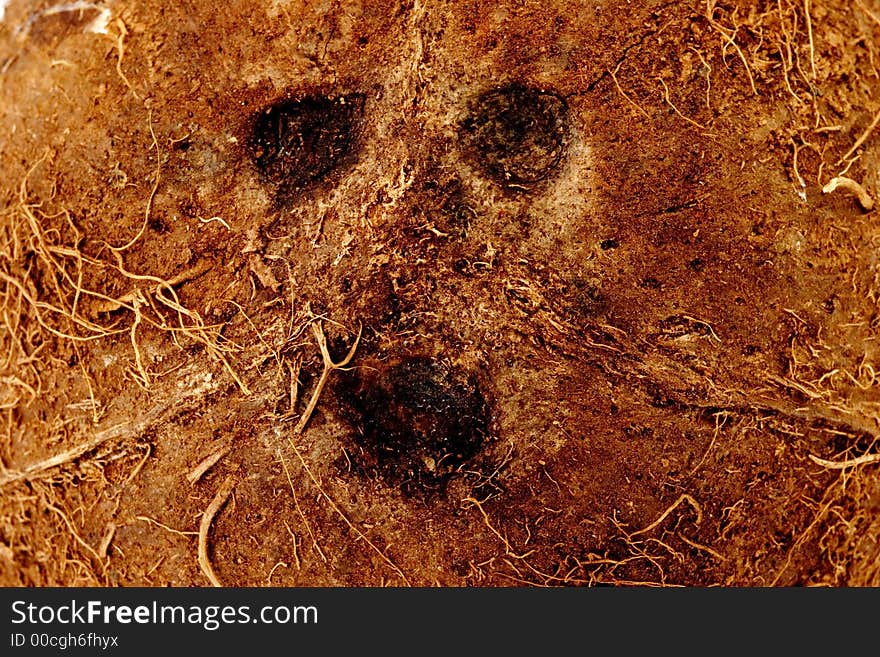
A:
[696,264]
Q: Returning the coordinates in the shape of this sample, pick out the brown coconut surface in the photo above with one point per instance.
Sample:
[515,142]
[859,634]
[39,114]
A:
[439,293]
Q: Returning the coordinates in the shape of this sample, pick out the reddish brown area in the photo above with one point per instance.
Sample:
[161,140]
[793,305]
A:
[652,332]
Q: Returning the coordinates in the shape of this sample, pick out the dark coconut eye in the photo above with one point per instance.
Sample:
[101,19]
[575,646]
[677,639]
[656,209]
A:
[418,420]
[516,134]
[297,142]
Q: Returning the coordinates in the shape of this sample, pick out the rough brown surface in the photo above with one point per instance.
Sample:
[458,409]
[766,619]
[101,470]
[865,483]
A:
[602,317]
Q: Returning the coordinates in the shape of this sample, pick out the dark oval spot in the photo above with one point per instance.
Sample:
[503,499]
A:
[462,266]
[416,421]
[696,264]
[295,142]
[516,134]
